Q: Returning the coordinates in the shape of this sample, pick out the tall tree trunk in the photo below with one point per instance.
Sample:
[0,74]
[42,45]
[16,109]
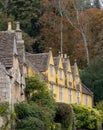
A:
[61,27]
[80,28]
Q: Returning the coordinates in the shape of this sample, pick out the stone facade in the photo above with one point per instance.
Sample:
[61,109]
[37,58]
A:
[12,65]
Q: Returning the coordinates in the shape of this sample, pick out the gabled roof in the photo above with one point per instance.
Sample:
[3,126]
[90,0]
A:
[40,61]
[7,48]
[36,70]
[86,90]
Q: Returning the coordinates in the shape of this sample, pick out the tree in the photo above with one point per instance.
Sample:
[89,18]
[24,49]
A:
[29,116]
[92,77]
[37,92]
[78,12]
[28,13]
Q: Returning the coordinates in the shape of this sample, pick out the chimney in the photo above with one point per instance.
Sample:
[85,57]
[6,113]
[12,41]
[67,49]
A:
[19,33]
[65,56]
[9,26]
[61,55]
[50,49]
[18,26]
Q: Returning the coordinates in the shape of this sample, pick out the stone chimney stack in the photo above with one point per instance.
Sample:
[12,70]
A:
[18,26]
[65,56]
[19,33]
[9,26]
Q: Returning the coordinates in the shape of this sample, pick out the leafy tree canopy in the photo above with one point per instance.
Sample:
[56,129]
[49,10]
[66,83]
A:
[92,77]
[28,13]
[39,112]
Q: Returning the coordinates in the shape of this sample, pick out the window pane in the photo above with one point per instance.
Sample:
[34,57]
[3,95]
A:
[51,70]
[70,95]
[61,93]
[52,88]
[61,74]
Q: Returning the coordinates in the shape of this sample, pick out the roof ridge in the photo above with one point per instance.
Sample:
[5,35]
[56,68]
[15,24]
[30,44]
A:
[37,53]
[87,88]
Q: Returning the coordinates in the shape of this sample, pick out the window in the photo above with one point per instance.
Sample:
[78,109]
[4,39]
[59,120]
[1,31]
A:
[69,77]
[61,93]
[51,70]
[70,95]
[86,99]
[52,88]
[61,73]
[77,80]
[78,97]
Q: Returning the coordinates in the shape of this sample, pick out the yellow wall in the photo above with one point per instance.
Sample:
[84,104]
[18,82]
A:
[89,102]
[57,82]
[30,71]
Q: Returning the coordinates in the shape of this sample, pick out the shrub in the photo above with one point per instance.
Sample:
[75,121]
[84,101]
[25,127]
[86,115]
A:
[4,108]
[85,117]
[64,115]
[33,110]
[41,104]
[30,123]
[57,126]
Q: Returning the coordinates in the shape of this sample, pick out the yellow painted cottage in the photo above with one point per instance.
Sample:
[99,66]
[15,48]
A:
[62,78]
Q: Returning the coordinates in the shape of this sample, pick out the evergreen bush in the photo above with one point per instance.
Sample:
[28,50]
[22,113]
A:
[64,115]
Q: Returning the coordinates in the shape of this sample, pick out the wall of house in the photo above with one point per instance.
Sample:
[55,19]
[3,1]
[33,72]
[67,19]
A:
[30,71]
[87,100]
[16,81]
[56,83]
[5,86]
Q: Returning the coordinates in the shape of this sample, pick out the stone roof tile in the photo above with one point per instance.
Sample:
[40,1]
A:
[40,61]
[86,90]
[6,48]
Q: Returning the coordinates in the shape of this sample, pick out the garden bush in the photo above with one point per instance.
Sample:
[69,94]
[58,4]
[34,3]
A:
[40,106]
[64,115]
[57,126]
[86,118]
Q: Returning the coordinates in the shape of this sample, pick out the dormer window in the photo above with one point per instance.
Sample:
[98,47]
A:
[69,77]
[51,70]
[77,80]
[61,73]
[52,88]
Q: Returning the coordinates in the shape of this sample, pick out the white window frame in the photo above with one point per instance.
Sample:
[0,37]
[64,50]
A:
[78,97]
[86,99]
[52,88]
[61,93]
[61,73]
[77,80]
[51,70]
[70,95]
[69,77]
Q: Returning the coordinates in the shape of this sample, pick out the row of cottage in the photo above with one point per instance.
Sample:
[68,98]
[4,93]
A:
[16,64]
